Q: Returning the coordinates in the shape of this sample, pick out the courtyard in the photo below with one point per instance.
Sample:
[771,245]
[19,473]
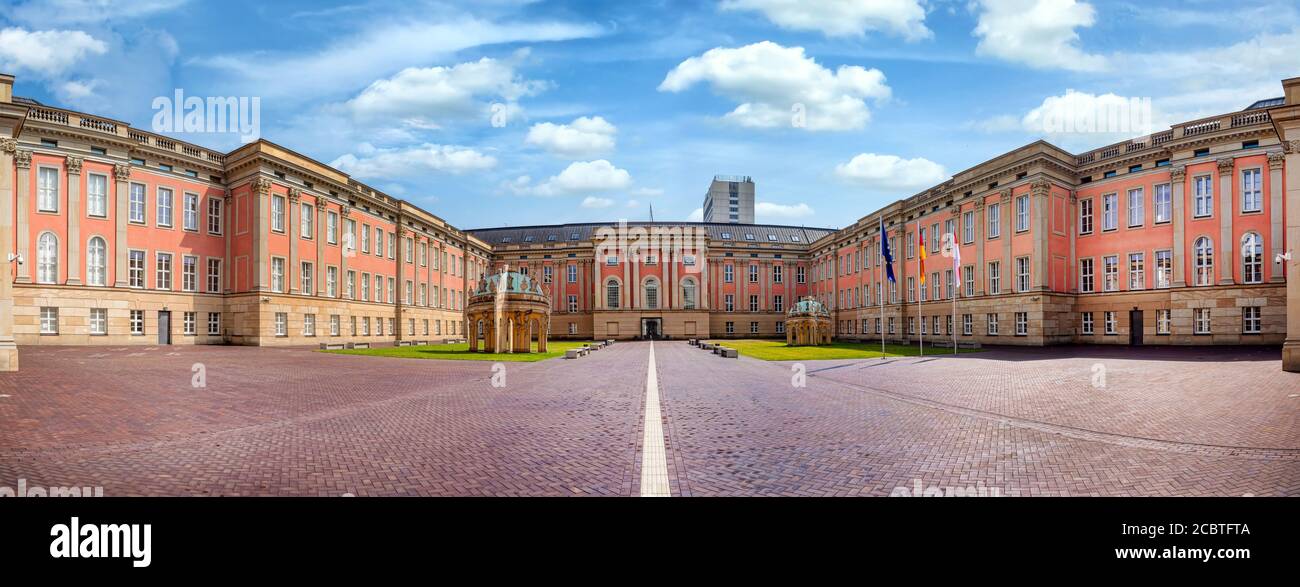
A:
[1074,421]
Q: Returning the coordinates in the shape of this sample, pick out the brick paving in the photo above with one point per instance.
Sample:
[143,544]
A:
[297,422]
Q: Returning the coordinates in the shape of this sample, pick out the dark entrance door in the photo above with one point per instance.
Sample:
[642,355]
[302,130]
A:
[164,327]
[1135,327]
[651,328]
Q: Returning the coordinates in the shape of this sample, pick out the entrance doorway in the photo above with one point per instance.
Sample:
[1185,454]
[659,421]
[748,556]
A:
[651,328]
[1135,327]
[164,327]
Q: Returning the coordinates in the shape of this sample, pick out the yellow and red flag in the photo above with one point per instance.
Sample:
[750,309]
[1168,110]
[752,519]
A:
[920,238]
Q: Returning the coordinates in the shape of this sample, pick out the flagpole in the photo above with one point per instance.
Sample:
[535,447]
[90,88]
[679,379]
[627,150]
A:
[920,281]
[956,291]
[880,283]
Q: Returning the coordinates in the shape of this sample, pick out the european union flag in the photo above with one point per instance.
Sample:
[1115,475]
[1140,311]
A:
[889,258]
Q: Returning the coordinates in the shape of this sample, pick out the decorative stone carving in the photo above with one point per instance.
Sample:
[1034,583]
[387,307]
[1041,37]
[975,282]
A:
[23,159]
[1276,160]
[345,211]
[1040,187]
[1291,147]
[1226,164]
[1005,196]
[1178,173]
[74,165]
[8,146]
[262,186]
[122,170]
[295,194]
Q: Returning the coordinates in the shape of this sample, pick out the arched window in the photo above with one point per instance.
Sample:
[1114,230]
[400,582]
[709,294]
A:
[1204,261]
[652,294]
[1252,258]
[96,261]
[47,258]
[688,293]
[612,296]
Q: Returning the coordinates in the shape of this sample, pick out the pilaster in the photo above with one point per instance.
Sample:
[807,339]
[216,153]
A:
[1178,184]
[75,267]
[293,272]
[1276,162]
[1228,258]
[121,210]
[23,195]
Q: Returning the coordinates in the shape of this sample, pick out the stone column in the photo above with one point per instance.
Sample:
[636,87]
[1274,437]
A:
[1276,216]
[1177,185]
[1229,258]
[1072,278]
[979,247]
[23,195]
[293,213]
[1291,349]
[1039,209]
[8,350]
[261,204]
[121,210]
[320,249]
[1007,231]
[627,283]
[74,221]
[345,213]
[228,233]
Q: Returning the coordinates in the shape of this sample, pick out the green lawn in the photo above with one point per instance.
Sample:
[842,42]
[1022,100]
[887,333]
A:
[460,352]
[776,350]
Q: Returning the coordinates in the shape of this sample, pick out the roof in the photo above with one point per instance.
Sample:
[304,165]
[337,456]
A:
[1269,103]
[559,233]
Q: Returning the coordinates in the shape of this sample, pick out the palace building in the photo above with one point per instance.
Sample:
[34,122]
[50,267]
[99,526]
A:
[121,236]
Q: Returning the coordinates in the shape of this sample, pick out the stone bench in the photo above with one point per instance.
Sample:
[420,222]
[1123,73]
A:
[420,342]
[947,344]
[692,341]
[730,353]
[404,343]
[609,341]
[358,345]
[571,354]
[332,346]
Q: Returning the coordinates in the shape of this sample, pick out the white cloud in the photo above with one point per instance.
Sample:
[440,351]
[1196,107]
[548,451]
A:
[773,82]
[412,161]
[45,53]
[359,59]
[90,11]
[579,177]
[420,97]
[594,202]
[890,172]
[1038,33]
[769,210]
[838,18]
[584,137]
[696,215]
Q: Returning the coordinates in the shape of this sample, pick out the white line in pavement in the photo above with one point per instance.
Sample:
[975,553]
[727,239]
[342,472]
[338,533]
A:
[654,459]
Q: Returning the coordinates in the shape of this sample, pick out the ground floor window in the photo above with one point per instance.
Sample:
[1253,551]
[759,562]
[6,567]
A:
[365,326]
[392,326]
[426,327]
[98,321]
[731,328]
[1022,323]
[891,326]
[780,327]
[281,324]
[49,320]
[1250,320]
[137,322]
[1109,317]
[214,323]
[753,328]
[573,328]
[967,324]
[410,326]
[991,326]
[1163,322]
[877,325]
[309,325]
[911,325]
[334,324]
[379,326]
[1086,325]
[1201,320]
[190,322]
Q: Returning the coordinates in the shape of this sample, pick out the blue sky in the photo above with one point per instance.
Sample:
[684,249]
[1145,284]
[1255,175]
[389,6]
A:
[503,112]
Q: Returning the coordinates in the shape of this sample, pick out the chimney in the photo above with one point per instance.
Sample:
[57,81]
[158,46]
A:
[1290,86]
[6,88]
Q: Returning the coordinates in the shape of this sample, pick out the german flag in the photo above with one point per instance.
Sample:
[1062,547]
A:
[920,243]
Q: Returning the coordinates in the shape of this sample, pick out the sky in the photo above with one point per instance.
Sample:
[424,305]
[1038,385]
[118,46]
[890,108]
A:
[514,112]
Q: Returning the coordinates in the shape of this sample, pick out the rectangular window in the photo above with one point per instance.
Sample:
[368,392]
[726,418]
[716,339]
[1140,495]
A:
[98,321]
[1085,216]
[753,328]
[351,285]
[1137,275]
[49,320]
[753,303]
[995,278]
[277,214]
[1163,321]
[365,238]
[728,273]
[991,324]
[408,293]
[1162,204]
[1164,268]
[1085,276]
[332,227]
[968,227]
[1022,213]
[1022,274]
[547,274]
[731,328]
[1110,273]
[778,303]
[277,274]
[968,277]
[190,212]
[753,273]
[163,271]
[1136,207]
[777,274]
[189,273]
[1110,212]
[1022,323]
[189,322]
[163,208]
[1110,325]
[1204,195]
[137,322]
[47,189]
[800,274]
[1252,190]
[1201,320]
[97,195]
[135,268]
[214,215]
[136,203]
[967,325]
[994,215]
[332,281]
[335,325]
[729,303]
[214,323]
[571,273]
[306,221]
[1250,320]
[309,325]
[392,290]
[304,281]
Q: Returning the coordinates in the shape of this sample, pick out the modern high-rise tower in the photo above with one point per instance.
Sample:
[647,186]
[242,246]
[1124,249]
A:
[730,199]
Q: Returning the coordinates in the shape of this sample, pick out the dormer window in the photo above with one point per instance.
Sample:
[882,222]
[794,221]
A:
[551,238]
[749,236]
[505,239]
[726,235]
[771,237]
[794,238]
[528,239]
